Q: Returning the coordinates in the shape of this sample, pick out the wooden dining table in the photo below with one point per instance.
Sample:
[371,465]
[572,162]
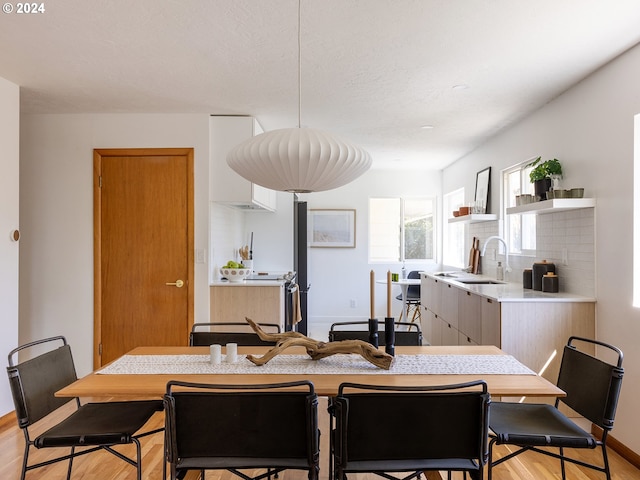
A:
[153,385]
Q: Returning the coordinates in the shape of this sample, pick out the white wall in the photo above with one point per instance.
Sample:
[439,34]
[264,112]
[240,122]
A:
[56,208]
[339,275]
[9,196]
[272,235]
[590,129]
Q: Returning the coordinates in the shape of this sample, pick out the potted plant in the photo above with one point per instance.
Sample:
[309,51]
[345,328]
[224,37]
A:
[542,173]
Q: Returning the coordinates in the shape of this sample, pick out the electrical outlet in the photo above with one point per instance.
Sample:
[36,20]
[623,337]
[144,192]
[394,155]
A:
[493,254]
[353,303]
[565,256]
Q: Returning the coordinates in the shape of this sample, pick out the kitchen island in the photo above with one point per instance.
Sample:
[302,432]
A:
[531,325]
[260,300]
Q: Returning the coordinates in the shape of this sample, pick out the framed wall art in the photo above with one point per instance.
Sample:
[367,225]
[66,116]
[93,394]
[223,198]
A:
[332,228]
[481,203]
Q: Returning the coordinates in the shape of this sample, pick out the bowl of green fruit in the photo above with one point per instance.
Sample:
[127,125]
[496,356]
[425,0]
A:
[234,271]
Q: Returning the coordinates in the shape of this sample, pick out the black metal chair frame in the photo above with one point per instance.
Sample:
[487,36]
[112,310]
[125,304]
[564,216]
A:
[248,338]
[97,426]
[235,427]
[383,429]
[413,298]
[592,389]
[406,333]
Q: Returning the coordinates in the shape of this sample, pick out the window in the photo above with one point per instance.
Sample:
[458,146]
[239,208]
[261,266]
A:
[453,241]
[401,229]
[520,230]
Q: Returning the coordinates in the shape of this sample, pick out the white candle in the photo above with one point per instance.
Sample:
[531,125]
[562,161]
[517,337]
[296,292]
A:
[372,287]
[389,294]
[216,354]
[232,353]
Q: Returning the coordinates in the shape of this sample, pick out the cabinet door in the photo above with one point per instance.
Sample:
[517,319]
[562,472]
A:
[430,294]
[263,197]
[234,303]
[465,340]
[469,315]
[449,311]
[431,328]
[450,334]
[225,185]
[491,323]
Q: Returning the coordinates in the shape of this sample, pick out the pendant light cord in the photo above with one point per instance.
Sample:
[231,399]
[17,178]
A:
[299,67]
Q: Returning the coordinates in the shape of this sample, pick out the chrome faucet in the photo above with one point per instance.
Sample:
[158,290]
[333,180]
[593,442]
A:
[507,268]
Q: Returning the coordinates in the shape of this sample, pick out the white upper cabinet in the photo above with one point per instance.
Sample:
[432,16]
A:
[225,185]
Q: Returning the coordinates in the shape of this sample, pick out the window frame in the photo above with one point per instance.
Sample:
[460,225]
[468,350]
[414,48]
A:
[524,221]
[401,234]
[452,201]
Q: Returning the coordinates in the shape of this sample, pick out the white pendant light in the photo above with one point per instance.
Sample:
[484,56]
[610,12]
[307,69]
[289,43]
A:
[299,159]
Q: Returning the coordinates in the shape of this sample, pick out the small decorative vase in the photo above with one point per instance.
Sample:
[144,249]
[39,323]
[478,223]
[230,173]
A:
[541,187]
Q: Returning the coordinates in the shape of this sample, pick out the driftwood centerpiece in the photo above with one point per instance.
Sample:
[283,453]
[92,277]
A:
[316,349]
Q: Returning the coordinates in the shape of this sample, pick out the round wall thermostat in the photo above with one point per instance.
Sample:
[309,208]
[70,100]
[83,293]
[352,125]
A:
[15,235]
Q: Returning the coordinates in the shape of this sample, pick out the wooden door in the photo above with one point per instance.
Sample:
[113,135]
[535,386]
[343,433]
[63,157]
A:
[143,247]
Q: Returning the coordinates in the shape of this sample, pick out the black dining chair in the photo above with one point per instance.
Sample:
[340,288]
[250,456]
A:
[406,333]
[412,300]
[97,426]
[592,388]
[268,427]
[242,334]
[409,430]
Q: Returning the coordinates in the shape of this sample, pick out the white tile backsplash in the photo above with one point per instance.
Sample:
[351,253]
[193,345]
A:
[227,236]
[572,230]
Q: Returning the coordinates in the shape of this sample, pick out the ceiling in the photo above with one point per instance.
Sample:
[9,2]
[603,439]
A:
[373,71]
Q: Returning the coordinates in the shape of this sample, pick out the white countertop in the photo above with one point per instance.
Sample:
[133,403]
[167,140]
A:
[506,292]
[247,283]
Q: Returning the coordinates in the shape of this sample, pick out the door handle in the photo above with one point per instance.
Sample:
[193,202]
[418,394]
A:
[177,283]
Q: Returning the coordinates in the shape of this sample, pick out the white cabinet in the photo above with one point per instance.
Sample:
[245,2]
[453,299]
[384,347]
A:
[225,185]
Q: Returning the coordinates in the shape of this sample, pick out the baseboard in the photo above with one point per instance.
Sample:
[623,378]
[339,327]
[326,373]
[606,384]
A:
[7,421]
[617,446]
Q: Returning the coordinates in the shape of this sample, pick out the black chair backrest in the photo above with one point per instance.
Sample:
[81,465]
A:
[407,338]
[34,382]
[413,291]
[204,339]
[259,421]
[592,385]
[433,422]
[243,338]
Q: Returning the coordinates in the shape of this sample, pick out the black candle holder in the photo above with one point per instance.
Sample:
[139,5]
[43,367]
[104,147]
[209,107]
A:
[390,336]
[373,332]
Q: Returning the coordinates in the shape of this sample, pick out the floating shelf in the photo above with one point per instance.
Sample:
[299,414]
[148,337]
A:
[474,218]
[552,206]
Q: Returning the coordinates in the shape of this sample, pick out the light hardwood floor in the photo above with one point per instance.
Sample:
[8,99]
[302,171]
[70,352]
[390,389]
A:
[103,466]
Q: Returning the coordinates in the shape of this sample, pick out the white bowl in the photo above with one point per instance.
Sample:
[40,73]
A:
[235,274]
